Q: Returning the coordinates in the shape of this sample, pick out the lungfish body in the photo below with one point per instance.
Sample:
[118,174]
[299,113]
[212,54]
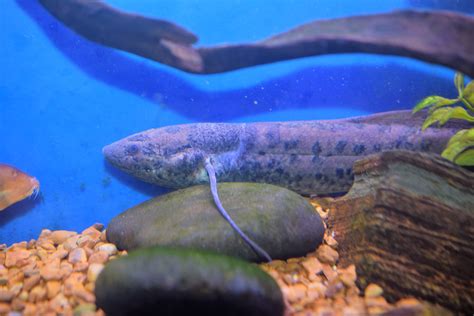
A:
[309,157]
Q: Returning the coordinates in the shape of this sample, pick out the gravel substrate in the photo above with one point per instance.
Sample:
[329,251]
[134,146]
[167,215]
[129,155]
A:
[56,275]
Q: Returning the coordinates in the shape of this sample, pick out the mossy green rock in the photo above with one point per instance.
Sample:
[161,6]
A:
[165,281]
[280,221]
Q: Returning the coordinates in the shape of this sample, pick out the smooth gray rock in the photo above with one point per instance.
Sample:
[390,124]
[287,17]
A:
[280,221]
[164,281]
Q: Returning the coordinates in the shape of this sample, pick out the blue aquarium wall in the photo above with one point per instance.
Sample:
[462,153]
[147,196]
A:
[62,98]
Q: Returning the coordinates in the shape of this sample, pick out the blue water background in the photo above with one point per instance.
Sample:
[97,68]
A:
[62,98]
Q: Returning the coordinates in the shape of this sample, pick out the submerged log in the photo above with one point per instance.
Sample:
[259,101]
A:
[408,224]
[441,37]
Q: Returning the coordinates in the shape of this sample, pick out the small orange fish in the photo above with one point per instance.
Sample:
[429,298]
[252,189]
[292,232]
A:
[15,185]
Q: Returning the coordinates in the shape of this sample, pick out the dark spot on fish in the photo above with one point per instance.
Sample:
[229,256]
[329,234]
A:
[377,148]
[292,144]
[318,176]
[271,164]
[316,150]
[280,171]
[348,171]
[293,158]
[261,152]
[425,144]
[132,150]
[340,146]
[358,149]
[273,138]
[339,173]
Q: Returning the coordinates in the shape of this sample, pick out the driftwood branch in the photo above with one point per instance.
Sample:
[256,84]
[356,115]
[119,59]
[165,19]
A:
[443,38]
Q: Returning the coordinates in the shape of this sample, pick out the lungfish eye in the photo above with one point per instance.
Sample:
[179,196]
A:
[132,149]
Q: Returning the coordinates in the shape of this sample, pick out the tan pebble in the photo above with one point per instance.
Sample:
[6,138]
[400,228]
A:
[53,288]
[326,254]
[42,254]
[23,295]
[21,244]
[291,278]
[17,257]
[44,233]
[109,248]
[6,295]
[373,290]
[50,273]
[90,287]
[46,244]
[80,267]
[30,310]
[16,288]
[112,258]
[81,293]
[103,236]
[71,243]
[93,271]
[15,278]
[329,272]
[77,255]
[378,301]
[348,276]
[123,252]
[331,242]
[31,244]
[99,257]
[4,308]
[65,269]
[31,282]
[333,288]
[59,304]
[59,254]
[86,241]
[17,304]
[76,279]
[314,293]
[37,294]
[295,293]
[92,232]
[409,302]
[98,244]
[312,266]
[60,236]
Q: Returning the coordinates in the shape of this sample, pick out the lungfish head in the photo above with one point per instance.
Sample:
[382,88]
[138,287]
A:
[172,156]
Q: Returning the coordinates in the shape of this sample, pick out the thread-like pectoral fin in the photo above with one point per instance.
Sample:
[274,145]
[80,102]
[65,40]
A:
[213,183]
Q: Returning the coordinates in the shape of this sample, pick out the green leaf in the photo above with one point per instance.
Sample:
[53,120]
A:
[458,146]
[442,115]
[459,82]
[433,100]
[466,158]
[468,93]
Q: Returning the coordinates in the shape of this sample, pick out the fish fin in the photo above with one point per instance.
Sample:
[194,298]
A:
[403,117]
[213,183]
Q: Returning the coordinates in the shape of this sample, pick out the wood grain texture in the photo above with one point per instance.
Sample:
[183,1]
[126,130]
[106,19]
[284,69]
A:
[401,231]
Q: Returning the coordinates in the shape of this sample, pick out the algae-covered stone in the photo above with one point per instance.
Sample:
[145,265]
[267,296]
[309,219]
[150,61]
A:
[164,281]
[280,221]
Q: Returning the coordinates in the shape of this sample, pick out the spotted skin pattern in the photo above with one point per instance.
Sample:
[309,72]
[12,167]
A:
[309,157]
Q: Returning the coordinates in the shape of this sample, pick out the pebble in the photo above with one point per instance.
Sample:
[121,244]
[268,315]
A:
[52,275]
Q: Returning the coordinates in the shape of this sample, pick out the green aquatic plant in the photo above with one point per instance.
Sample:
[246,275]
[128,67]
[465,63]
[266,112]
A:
[460,148]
